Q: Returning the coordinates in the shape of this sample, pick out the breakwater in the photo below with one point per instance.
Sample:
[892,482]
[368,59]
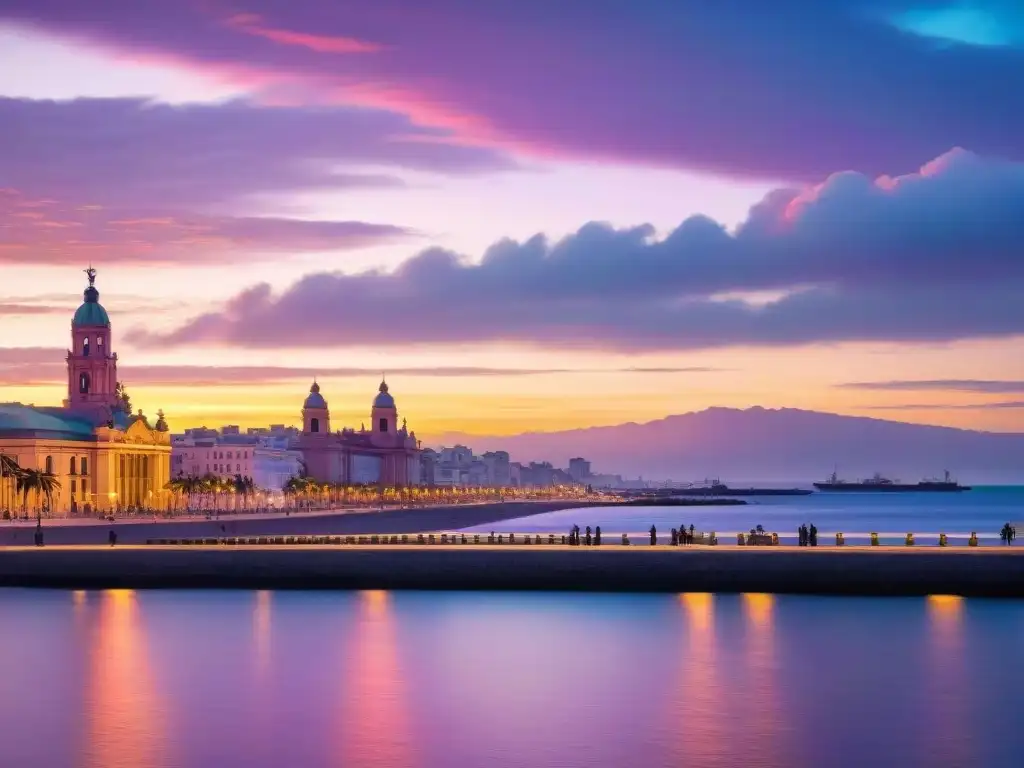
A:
[837,571]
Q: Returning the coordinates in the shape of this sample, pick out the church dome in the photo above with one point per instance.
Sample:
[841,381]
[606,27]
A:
[383,398]
[315,399]
[91,312]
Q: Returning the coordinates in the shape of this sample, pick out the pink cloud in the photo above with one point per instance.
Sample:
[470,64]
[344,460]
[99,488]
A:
[252,24]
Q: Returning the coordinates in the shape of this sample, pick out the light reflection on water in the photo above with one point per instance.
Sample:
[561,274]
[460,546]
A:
[206,679]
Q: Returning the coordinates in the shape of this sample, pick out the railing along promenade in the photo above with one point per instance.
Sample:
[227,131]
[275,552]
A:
[551,539]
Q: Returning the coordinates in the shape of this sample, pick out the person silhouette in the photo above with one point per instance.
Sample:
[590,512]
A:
[675,537]
[588,536]
[689,539]
[597,536]
[813,536]
[654,535]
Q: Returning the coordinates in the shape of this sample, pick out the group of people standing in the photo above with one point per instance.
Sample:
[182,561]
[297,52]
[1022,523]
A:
[808,536]
[590,539]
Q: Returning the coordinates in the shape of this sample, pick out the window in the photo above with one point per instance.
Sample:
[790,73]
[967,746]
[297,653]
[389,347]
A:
[85,347]
[83,383]
[99,342]
[314,425]
[229,455]
[85,466]
[73,467]
[238,467]
[49,465]
[383,425]
[85,488]
[74,488]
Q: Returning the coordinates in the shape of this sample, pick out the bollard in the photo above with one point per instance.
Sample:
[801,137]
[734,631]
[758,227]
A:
[405,538]
[511,538]
[476,538]
[430,538]
[463,538]
[840,540]
[874,539]
[501,538]
[625,540]
[420,539]
[973,541]
[942,540]
[910,540]
[551,538]
[740,540]
[444,538]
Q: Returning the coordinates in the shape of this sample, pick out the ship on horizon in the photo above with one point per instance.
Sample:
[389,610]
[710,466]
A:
[879,483]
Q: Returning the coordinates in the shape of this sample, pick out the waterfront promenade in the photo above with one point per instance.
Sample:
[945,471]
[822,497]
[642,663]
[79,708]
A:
[994,572]
[351,521]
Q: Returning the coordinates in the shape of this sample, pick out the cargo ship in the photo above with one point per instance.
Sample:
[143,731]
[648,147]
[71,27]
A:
[879,483]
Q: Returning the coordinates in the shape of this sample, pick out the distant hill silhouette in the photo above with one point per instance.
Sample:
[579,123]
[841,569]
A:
[773,445]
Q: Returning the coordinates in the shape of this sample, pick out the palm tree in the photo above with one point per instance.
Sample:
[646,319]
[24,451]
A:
[43,483]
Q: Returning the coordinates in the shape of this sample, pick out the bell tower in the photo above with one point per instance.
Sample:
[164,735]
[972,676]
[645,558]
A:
[92,367]
[383,417]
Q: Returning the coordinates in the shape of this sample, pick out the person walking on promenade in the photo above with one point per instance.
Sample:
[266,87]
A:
[674,540]
[813,536]
[689,539]
[112,537]
[597,536]
[682,535]
[1005,533]
[801,533]
[654,535]
[589,539]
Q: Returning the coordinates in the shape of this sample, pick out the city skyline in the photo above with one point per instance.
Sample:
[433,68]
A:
[852,247]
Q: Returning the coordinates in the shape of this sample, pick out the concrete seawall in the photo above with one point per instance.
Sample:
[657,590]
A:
[854,571]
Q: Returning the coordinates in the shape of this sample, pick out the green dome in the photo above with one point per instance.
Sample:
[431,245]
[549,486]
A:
[91,312]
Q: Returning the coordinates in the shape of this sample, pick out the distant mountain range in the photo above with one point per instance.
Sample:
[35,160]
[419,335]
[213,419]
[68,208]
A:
[772,445]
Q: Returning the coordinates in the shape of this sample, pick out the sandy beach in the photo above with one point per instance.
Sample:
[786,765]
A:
[851,571]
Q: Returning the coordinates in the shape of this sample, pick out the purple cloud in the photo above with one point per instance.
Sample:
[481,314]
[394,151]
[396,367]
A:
[940,385]
[129,153]
[34,230]
[45,365]
[788,89]
[930,256]
[996,406]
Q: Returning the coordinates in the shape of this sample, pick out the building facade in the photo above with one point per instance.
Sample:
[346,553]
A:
[103,457]
[266,458]
[387,454]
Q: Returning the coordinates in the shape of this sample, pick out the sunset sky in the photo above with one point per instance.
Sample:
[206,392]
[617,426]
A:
[531,215]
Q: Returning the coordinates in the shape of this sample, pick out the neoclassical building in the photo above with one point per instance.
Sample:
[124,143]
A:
[386,454]
[103,457]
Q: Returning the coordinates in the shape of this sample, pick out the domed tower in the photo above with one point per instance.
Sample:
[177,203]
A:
[383,417]
[92,367]
[316,419]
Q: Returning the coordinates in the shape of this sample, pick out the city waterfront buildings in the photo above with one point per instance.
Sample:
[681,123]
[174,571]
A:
[99,455]
[386,454]
[266,458]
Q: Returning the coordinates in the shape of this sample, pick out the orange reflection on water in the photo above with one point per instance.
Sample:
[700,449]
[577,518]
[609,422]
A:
[698,712]
[947,676]
[261,631]
[122,706]
[374,722]
[766,719]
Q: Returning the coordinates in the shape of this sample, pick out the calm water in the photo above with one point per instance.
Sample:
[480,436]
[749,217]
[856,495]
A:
[266,680]
[984,510]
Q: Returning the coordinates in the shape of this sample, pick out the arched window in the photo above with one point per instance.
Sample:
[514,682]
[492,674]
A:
[73,467]
[85,467]
[238,467]
[85,347]
[83,383]
[314,425]
[49,465]
[99,343]
[383,425]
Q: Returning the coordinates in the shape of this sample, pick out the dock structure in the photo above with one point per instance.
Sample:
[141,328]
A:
[848,570]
